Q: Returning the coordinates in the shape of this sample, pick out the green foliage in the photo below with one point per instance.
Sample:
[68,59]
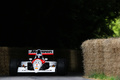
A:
[98,76]
[115,26]
[91,19]
[103,77]
[59,23]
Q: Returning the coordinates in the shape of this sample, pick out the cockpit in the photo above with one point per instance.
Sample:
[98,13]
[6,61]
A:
[39,55]
[39,52]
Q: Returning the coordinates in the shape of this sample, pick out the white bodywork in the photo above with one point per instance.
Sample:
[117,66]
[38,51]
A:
[25,68]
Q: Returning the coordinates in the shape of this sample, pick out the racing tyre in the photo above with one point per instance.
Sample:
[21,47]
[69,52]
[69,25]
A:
[61,67]
[13,67]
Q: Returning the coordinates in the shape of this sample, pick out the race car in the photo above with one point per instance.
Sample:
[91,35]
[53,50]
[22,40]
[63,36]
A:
[39,64]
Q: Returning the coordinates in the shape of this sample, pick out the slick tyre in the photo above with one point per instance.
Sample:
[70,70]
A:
[61,67]
[13,67]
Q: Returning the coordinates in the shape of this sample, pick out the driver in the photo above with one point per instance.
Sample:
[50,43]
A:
[38,55]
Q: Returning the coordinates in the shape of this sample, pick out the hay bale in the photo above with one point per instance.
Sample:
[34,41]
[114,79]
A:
[93,56]
[98,51]
[87,50]
[4,61]
[2,65]
[111,56]
[103,56]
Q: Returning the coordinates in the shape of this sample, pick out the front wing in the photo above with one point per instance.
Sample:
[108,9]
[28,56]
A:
[25,69]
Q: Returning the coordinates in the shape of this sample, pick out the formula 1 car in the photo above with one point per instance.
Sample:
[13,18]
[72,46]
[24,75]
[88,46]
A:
[39,64]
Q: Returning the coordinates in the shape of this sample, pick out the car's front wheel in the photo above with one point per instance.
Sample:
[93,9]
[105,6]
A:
[13,67]
[61,67]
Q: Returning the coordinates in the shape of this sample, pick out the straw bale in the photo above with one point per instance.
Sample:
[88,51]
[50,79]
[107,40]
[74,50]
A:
[111,56]
[88,69]
[4,61]
[3,51]
[87,50]
[87,47]
[118,64]
[93,56]
[103,55]
[118,71]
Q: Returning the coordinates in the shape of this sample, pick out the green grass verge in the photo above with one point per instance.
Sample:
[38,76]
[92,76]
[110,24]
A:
[103,77]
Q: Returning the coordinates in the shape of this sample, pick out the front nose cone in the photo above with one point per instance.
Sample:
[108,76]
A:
[37,65]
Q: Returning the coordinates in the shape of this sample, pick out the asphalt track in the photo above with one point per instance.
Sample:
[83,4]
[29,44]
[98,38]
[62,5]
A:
[71,76]
[41,78]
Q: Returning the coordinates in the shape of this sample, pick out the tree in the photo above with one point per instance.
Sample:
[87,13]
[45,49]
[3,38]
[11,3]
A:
[115,26]
[59,23]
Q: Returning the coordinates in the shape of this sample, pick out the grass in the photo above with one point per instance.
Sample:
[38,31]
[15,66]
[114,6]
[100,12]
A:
[103,77]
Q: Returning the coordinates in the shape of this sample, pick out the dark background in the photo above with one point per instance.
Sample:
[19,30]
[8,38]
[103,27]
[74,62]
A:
[61,25]
[55,23]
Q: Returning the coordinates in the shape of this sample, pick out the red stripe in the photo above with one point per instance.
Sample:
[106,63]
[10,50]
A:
[42,53]
[38,59]
[47,53]
[31,53]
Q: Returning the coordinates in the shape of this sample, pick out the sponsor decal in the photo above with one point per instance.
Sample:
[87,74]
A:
[43,52]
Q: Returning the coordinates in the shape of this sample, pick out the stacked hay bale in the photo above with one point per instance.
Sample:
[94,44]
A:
[4,61]
[112,56]
[102,56]
[74,60]
[93,56]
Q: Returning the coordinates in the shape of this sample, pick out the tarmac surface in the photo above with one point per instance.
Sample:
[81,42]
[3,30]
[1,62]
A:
[70,76]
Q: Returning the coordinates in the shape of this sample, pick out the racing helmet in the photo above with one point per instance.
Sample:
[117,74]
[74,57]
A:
[39,52]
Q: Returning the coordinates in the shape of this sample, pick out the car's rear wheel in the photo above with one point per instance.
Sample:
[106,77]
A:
[61,67]
[13,67]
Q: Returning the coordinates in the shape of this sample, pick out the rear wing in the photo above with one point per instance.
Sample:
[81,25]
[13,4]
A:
[43,52]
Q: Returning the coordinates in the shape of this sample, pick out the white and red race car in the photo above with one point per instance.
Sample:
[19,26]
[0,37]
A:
[39,64]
